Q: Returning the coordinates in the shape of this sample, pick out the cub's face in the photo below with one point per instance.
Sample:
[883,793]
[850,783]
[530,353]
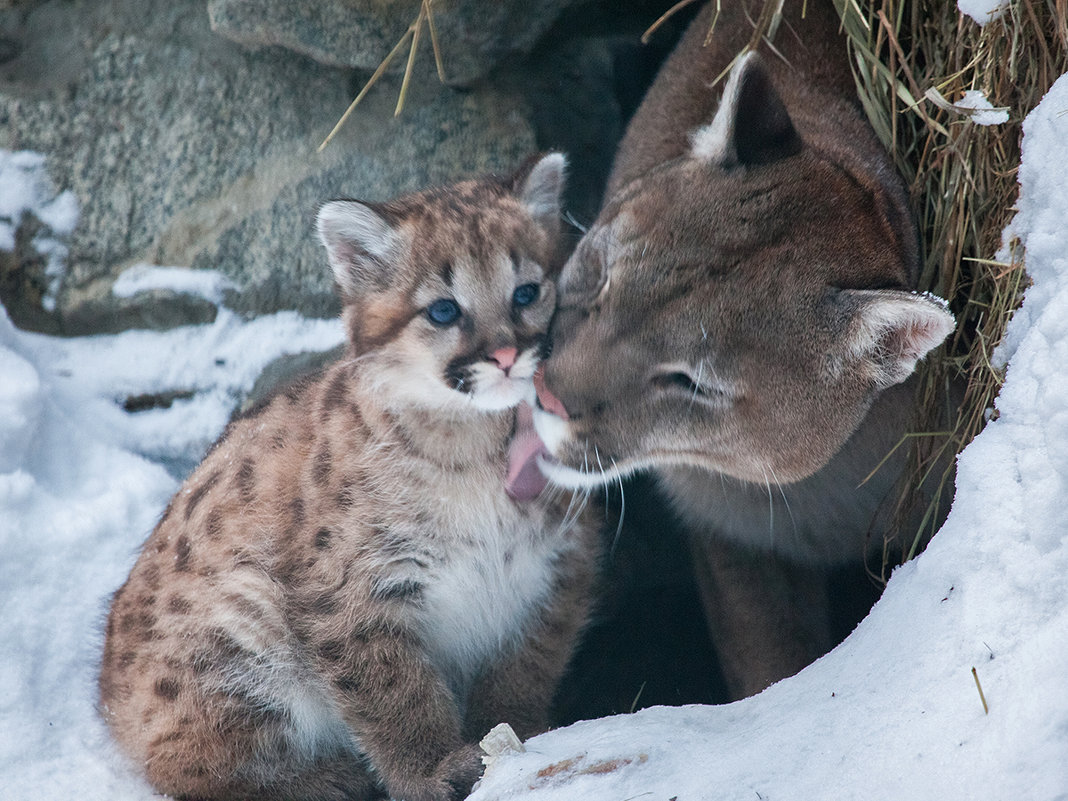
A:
[475,334]
[739,318]
[449,292]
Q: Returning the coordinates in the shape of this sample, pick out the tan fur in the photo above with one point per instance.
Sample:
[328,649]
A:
[739,316]
[342,598]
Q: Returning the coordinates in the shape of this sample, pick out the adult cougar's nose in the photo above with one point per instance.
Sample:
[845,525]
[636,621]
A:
[546,399]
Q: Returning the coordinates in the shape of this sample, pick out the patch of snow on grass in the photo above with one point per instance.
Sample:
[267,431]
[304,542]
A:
[983,11]
[983,111]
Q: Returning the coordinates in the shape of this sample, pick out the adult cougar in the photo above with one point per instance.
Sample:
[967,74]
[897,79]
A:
[741,317]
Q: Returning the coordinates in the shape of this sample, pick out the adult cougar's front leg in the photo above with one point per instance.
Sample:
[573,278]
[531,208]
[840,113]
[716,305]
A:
[768,618]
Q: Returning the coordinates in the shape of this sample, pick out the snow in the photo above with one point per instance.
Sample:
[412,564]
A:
[212,366]
[982,110]
[891,713]
[983,11]
[973,104]
[20,397]
[25,188]
[207,284]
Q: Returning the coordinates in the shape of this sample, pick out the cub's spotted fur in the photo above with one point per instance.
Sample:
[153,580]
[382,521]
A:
[353,587]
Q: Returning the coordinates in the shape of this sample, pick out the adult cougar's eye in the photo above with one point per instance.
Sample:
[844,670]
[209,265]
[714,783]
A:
[699,385]
[676,380]
[525,295]
[443,312]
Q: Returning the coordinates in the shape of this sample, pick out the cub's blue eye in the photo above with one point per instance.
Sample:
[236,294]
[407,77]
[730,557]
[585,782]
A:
[443,312]
[525,295]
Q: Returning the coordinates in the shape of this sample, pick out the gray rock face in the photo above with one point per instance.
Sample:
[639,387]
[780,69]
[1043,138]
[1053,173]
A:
[440,136]
[186,149]
[475,35]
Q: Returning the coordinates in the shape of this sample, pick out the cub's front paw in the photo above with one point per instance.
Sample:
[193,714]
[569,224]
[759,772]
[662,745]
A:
[450,780]
[458,771]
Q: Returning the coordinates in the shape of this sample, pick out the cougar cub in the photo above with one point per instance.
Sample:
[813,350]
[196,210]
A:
[361,578]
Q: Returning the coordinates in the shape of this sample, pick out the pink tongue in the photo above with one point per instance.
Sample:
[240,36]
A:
[525,481]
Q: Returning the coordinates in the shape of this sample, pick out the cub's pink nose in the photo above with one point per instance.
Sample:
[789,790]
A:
[504,357]
[549,402]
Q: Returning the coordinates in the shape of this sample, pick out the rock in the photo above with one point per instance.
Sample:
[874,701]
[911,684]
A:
[475,35]
[23,281]
[440,136]
[183,148]
[93,309]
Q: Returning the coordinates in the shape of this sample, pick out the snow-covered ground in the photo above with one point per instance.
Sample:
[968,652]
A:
[893,713]
[78,494]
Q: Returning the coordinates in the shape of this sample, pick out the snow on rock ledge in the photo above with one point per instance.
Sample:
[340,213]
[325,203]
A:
[26,189]
[894,712]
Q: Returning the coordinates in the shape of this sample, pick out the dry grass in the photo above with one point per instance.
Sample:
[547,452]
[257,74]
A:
[411,38]
[909,60]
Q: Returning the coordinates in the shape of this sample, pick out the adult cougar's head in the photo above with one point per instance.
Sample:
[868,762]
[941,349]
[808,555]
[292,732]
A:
[737,308]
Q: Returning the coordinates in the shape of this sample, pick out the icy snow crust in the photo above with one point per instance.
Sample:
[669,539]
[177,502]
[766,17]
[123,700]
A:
[892,713]
[206,284]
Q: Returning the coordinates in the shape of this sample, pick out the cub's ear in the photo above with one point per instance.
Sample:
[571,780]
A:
[751,125]
[539,185]
[892,330]
[360,244]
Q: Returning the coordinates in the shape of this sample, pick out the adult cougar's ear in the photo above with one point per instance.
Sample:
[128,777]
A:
[751,125]
[360,244]
[539,185]
[891,330]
